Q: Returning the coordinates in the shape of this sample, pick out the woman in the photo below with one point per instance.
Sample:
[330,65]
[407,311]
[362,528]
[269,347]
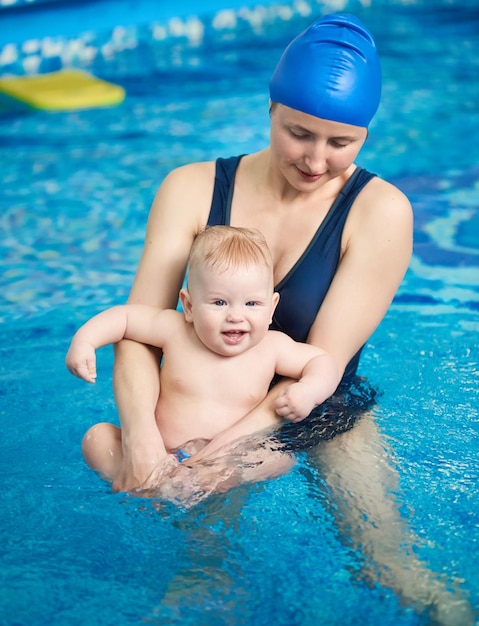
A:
[341,240]
[340,237]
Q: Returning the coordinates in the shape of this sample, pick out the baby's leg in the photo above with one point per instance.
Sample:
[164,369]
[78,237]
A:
[101,449]
[190,448]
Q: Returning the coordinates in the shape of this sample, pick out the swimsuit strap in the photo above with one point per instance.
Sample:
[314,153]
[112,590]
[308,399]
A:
[220,212]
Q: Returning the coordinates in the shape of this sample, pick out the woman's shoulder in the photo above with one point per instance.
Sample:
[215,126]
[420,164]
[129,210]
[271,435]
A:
[380,207]
[188,189]
[379,191]
[192,173]
[380,202]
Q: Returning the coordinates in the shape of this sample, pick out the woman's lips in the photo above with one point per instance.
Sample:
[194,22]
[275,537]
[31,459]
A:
[309,177]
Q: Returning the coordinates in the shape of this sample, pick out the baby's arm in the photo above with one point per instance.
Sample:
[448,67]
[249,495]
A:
[318,379]
[129,321]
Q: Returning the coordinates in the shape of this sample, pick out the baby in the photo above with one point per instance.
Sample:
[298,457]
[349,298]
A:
[219,357]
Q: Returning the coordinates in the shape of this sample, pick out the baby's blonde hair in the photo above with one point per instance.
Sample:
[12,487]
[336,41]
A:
[223,247]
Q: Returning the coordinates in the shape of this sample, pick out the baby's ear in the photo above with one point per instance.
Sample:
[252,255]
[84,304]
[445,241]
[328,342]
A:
[187,305]
[274,303]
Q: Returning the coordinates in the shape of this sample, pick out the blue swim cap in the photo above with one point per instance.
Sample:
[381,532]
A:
[332,71]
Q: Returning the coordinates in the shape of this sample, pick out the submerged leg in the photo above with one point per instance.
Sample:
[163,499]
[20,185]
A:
[205,587]
[357,467]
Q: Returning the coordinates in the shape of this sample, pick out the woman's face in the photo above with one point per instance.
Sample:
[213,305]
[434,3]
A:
[308,150]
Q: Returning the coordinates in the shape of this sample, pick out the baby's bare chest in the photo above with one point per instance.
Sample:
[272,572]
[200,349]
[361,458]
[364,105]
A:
[239,381]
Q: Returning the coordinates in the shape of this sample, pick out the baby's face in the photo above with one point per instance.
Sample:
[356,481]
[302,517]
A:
[232,309]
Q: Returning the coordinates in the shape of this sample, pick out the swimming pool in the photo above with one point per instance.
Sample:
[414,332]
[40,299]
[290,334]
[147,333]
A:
[75,192]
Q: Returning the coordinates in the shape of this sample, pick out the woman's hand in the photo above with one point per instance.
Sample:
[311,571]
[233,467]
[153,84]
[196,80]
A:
[247,460]
[142,461]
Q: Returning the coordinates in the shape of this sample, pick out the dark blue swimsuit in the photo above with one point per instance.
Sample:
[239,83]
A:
[302,292]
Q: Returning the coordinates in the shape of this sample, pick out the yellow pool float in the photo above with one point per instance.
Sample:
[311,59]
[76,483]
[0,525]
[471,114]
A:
[65,90]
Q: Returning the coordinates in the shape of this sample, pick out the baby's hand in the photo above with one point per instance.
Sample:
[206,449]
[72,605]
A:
[81,360]
[294,403]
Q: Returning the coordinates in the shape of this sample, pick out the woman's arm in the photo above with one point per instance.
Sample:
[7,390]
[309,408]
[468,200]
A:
[179,211]
[136,378]
[376,250]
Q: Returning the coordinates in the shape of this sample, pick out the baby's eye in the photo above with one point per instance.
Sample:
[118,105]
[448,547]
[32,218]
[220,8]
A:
[220,303]
[251,303]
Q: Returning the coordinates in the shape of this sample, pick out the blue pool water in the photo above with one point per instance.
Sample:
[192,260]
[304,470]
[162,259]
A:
[75,193]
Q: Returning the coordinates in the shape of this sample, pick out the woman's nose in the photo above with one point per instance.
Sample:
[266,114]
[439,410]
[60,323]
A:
[315,157]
